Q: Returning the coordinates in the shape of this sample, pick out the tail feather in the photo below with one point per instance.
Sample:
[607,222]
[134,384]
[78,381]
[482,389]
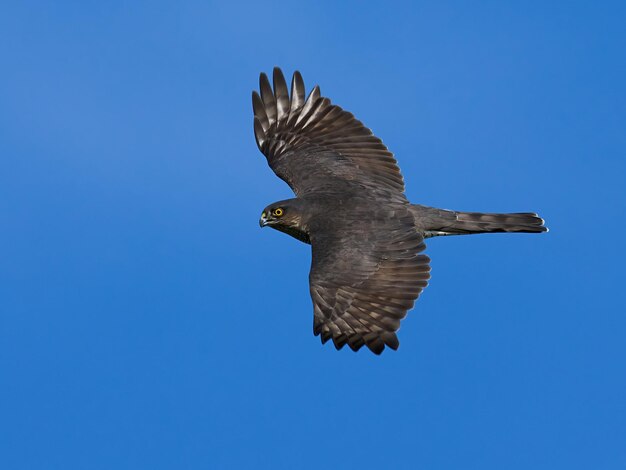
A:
[476,222]
[443,222]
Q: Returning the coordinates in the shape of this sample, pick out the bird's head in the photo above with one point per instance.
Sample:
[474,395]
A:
[281,213]
[285,216]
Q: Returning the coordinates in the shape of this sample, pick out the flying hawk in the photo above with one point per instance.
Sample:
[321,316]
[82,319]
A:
[366,237]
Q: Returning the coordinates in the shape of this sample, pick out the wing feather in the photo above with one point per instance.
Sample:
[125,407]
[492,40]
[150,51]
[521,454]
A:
[297,96]
[362,288]
[315,145]
[259,111]
[281,94]
[259,132]
[269,102]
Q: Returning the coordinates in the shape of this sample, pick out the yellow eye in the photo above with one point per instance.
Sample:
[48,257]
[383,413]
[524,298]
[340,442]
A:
[278,212]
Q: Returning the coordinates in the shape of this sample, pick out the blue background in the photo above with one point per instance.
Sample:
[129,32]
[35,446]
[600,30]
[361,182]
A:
[147,322]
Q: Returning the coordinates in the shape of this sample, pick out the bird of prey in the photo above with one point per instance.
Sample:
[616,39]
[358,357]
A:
[367,268]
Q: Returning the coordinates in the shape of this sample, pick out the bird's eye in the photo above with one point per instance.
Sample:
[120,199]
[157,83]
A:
[278,212]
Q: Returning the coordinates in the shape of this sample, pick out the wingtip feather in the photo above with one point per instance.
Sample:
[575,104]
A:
[259,133]
[267,95]
[281,94]
[297,91]
[259,110]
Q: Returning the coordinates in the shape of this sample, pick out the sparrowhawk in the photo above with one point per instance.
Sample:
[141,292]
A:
[367,239]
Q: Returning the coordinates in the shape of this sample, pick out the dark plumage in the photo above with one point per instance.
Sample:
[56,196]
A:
[367,269]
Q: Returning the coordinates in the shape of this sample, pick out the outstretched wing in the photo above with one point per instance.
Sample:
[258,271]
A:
[314,145]
[365,280]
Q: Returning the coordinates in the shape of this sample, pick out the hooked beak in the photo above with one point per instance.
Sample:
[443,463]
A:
[263,221]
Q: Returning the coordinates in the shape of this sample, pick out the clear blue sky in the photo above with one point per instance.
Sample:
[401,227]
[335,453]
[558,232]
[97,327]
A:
[147,322]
